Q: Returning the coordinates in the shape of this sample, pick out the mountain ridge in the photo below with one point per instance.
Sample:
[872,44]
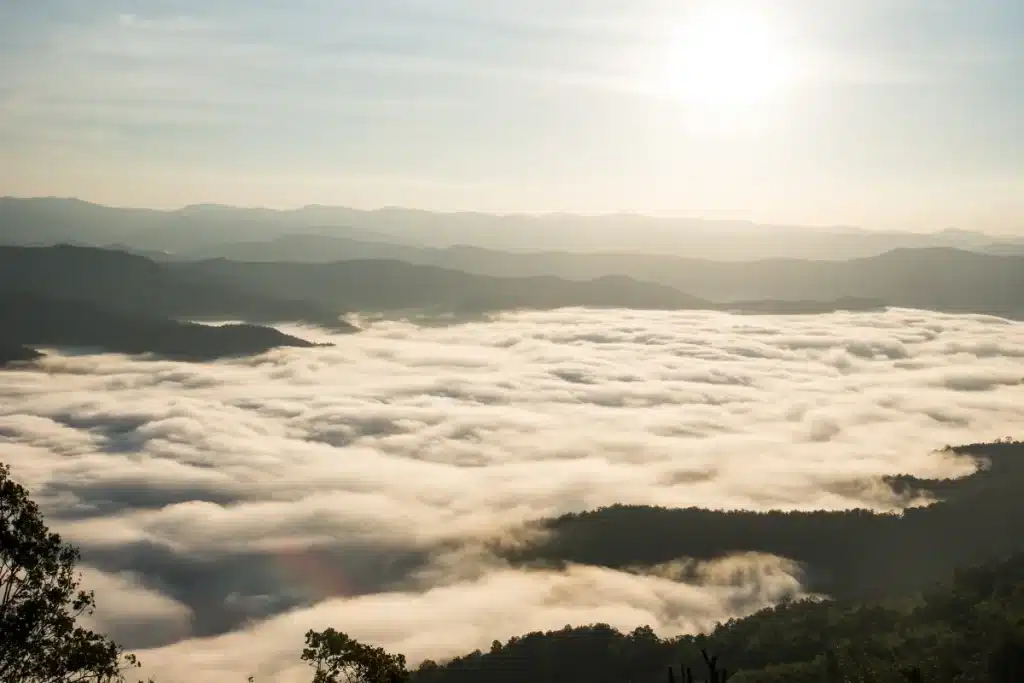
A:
[44,220]
[940,279]
[33,320]
[937,278]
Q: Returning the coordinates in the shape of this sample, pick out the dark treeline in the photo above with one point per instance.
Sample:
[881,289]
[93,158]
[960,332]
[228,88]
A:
[967,629]
[846,554]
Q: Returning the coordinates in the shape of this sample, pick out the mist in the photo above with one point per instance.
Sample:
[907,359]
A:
[225,508]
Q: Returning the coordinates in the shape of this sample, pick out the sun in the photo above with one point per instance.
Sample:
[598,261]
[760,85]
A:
[725,58]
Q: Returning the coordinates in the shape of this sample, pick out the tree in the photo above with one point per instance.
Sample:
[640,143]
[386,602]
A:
[1006,662]
[338,658]
[40,603]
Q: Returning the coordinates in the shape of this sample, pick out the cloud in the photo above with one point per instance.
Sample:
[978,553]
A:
[224,508]
[168,24]
[496,604]
[132,612]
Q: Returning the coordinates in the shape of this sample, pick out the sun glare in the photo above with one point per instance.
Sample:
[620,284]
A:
[726,58]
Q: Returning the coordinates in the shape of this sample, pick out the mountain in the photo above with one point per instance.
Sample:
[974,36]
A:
[936,278]
[50,221]
[385,285]
[12,352]
[317,293]
[845,554]
[309,248]
[36,320]
[47,221]
[966,628]
[935,594]
[1006,247]
[127,282]
[730,240]
[804,306]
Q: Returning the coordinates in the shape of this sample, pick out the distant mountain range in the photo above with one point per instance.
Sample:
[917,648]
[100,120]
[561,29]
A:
[388,285]
[134,284]
[67,296]
[938,279]
[148,299]
[933,277]
[48,221]
[83,296]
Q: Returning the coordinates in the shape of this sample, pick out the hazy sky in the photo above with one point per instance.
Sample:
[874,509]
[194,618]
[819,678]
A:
[884,113]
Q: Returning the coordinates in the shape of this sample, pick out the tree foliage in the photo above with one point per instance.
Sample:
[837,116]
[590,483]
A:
[848,554]
[969,629]
[337,658]
[40,603]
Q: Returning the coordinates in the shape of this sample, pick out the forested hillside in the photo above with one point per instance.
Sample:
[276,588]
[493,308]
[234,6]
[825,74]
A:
[967,629]
[853,554]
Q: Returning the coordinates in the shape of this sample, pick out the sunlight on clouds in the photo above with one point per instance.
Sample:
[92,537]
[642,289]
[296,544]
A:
[497,604]
[224,508]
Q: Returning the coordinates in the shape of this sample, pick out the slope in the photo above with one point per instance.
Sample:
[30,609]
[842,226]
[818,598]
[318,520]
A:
[126,282]
[34,320]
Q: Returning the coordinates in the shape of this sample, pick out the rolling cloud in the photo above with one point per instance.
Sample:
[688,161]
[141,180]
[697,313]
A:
[223,509]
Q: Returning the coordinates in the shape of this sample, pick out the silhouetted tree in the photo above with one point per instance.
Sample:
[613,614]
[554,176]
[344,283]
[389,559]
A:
[1006,663]
[338,658]
[40,603]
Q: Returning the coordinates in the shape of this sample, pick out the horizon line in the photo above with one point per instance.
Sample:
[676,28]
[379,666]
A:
[655,214]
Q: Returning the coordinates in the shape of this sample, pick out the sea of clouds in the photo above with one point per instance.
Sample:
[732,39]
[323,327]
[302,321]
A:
[223,509]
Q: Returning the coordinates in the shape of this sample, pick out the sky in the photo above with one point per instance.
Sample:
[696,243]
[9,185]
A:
[879,113]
